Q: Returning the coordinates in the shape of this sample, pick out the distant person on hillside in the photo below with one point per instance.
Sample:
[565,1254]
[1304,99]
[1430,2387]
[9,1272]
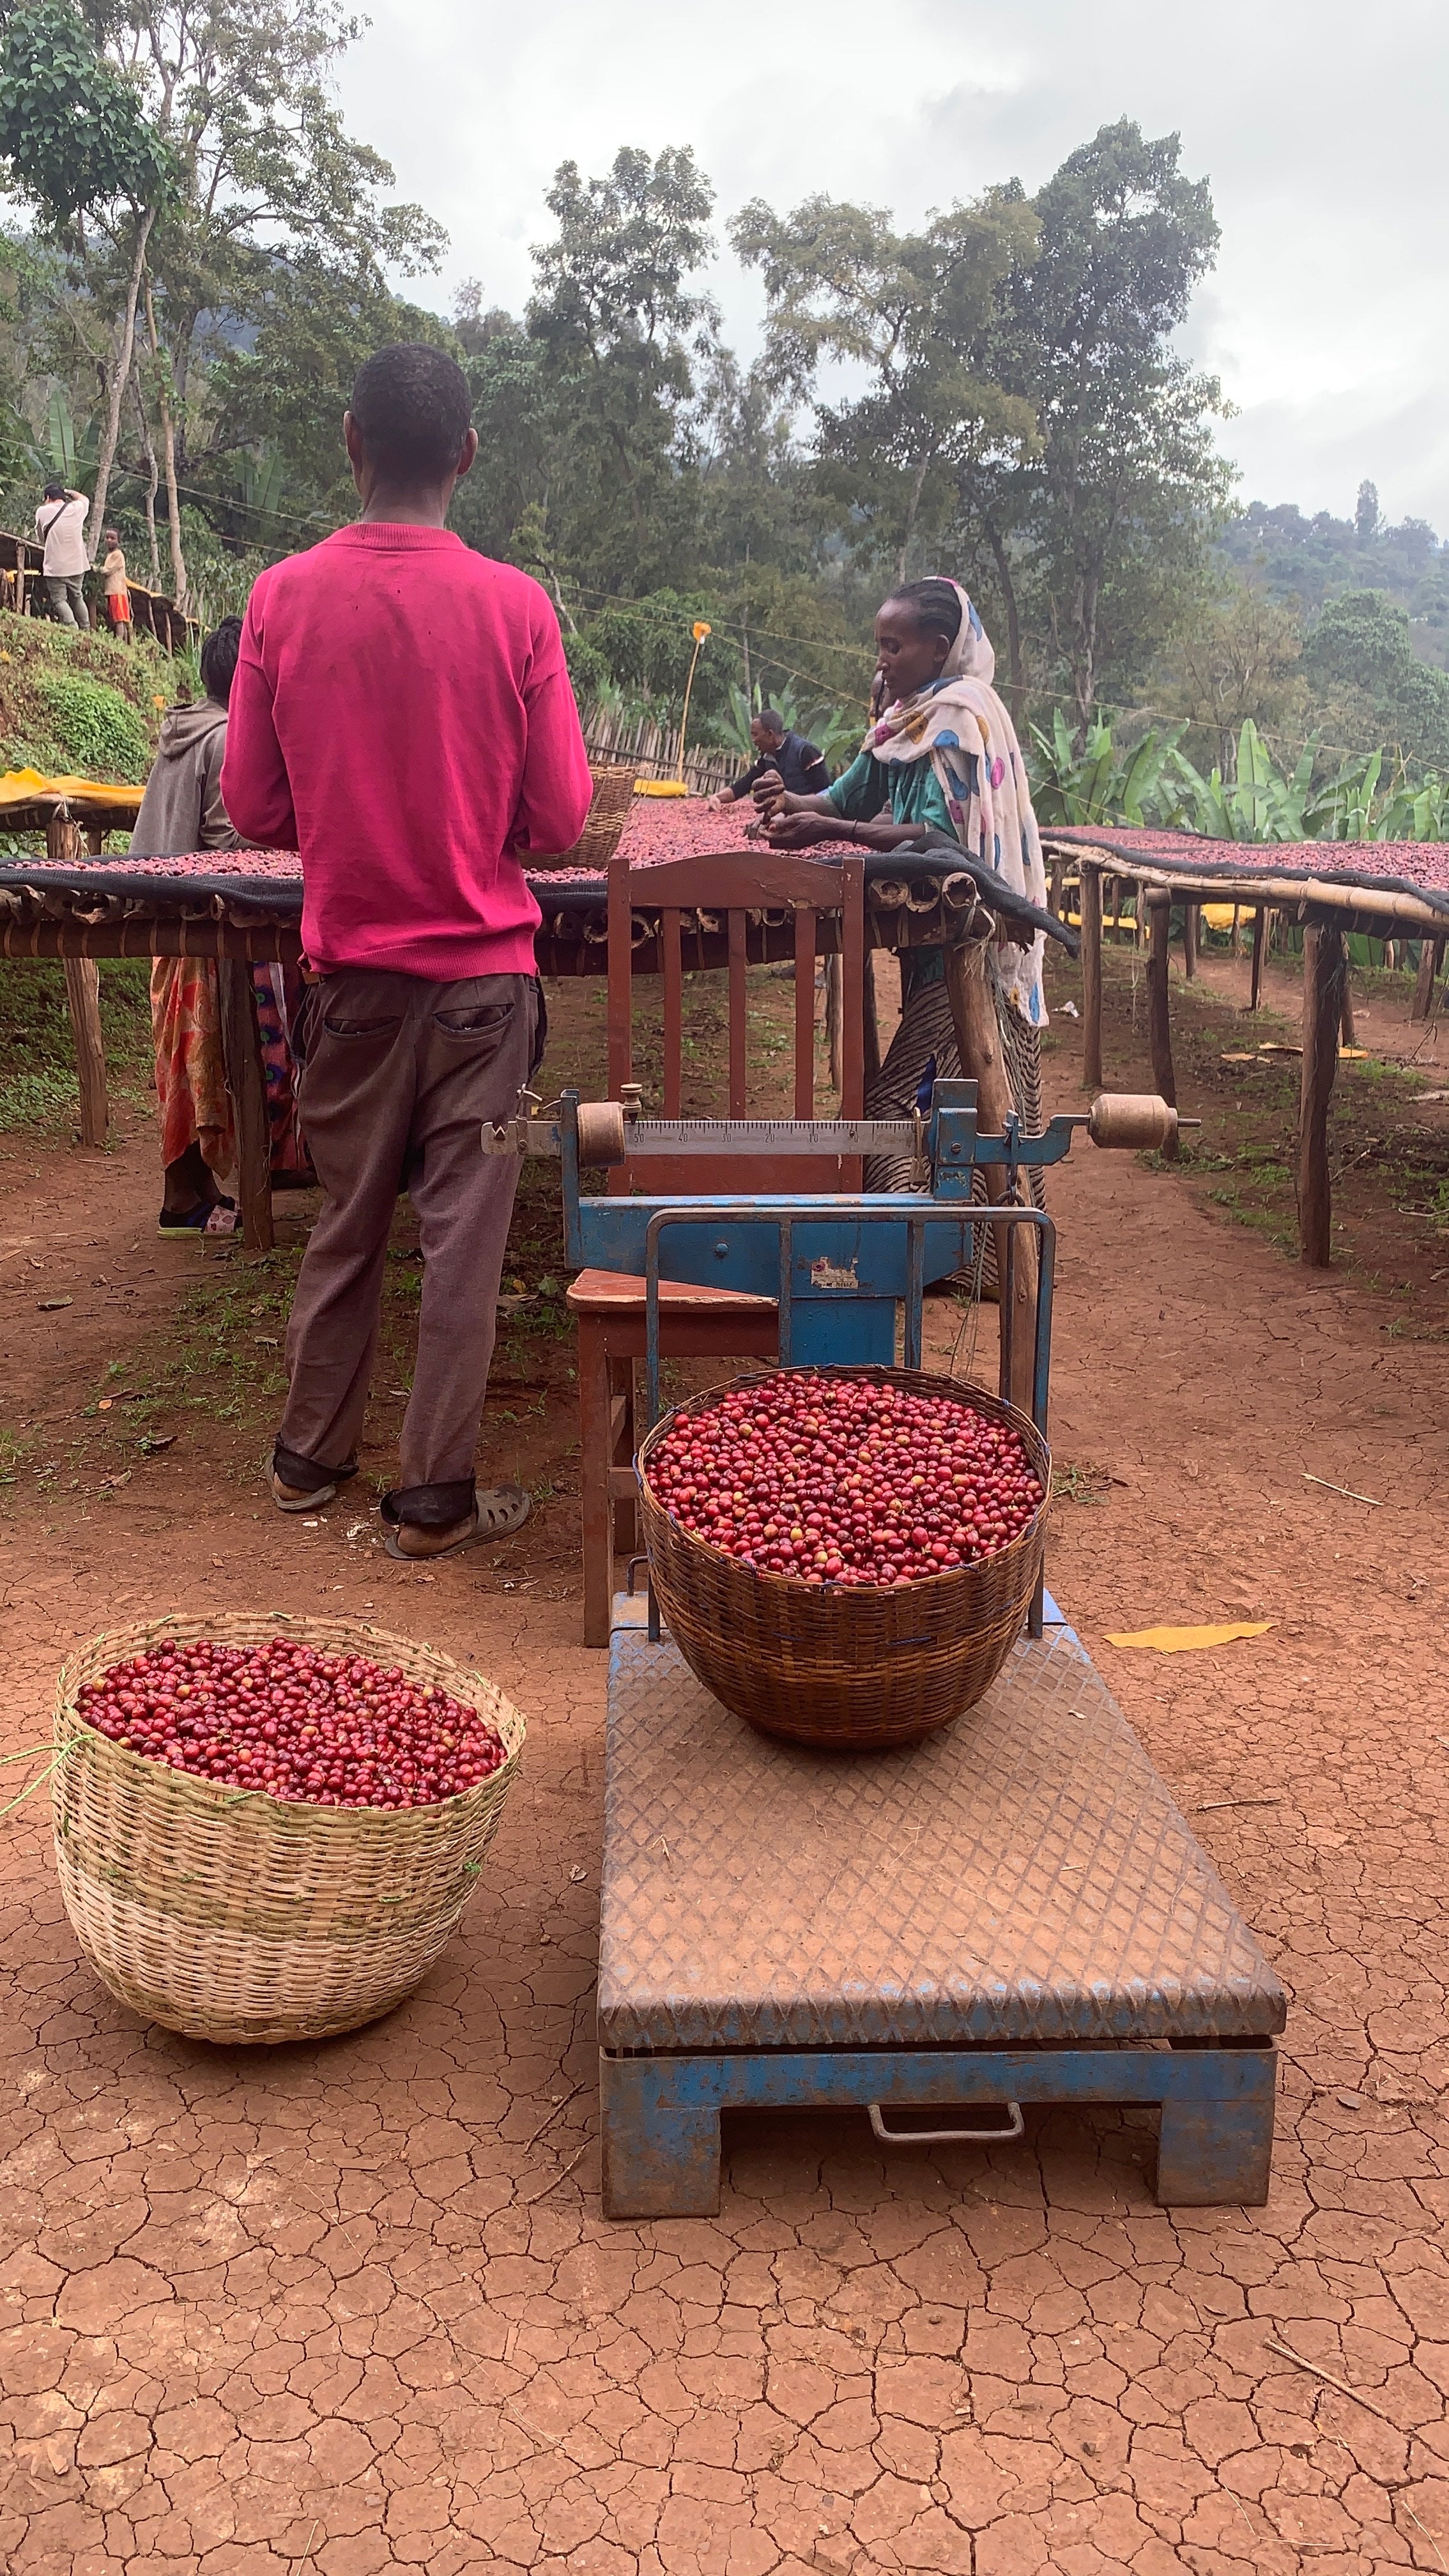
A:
[118,594]
[403,718]
[60,525]
[798,765]
[182,811]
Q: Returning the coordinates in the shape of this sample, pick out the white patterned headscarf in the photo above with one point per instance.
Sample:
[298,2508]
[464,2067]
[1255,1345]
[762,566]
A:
[961,726]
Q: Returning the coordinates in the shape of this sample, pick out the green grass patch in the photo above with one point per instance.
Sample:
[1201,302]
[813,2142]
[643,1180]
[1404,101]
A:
[100,733]
[37,1045]
[71,702]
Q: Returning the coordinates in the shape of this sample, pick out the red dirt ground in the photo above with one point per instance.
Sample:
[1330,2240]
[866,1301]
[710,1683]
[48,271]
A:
[354,2307]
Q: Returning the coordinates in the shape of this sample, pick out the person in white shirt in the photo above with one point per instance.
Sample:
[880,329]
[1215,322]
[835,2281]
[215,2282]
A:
[60,524]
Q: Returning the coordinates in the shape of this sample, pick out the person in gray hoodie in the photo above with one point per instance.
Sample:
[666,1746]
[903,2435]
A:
[182,811]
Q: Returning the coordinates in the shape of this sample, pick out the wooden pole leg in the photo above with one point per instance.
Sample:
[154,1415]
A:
[83,993]
[1189,940]
[1324,971]
[1091,909]
[1159,917]
[1431,958]
[1260,951]
[978,1041]
[832,1017]
[247,1083]
[870,1023]
[595,1459]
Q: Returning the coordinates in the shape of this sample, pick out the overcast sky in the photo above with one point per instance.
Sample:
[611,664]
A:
[1319,125]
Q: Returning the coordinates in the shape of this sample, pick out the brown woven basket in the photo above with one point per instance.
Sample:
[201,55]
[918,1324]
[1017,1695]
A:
[607,815]
[851,1669]
[232,1915]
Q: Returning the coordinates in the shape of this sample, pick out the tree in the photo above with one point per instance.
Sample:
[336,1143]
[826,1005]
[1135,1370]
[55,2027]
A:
[620,327]
[913,309]
[1235,662]
[278,210]
[1369,685]
[78,145]
[1114,512]
[1367,516]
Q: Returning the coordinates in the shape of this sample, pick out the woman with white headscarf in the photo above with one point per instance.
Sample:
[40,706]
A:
[941,756]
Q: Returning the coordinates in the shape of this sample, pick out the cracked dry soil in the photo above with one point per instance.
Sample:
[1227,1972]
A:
[354,2307]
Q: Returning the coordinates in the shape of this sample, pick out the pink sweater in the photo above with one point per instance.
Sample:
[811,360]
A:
[402,716]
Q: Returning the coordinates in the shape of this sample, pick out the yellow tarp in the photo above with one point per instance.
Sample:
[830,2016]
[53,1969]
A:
[1182,1641]
[23,786]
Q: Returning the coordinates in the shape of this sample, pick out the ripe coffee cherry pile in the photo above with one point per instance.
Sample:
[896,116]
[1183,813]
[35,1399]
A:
[324,1730]
[834,1480]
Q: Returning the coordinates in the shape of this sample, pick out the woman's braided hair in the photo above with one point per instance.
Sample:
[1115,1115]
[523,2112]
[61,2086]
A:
[933,604]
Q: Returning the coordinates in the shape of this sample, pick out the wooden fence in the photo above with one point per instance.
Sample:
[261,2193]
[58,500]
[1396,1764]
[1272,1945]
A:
[654,753]
[22,588]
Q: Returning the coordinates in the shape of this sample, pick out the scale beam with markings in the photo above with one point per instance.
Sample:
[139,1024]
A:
[1014,1912]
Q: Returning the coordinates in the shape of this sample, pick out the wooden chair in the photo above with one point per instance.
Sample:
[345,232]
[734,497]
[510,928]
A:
[678,917]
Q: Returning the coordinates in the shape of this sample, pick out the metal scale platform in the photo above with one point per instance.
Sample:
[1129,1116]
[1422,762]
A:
[1014,1911]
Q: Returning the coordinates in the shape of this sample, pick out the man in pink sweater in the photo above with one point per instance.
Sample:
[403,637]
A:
[402,716]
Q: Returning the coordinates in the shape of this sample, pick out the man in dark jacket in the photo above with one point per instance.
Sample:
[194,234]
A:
[797,763]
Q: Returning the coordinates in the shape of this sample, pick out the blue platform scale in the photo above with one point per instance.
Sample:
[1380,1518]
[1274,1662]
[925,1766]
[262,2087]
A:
[1013,1911]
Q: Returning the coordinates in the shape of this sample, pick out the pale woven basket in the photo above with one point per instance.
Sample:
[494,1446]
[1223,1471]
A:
[232,1915]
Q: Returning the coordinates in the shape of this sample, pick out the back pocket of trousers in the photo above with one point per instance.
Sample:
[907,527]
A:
[482,1020]
[338,1028]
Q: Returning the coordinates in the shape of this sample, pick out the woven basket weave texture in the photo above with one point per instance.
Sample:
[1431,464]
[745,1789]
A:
[232,1915]
[846,1668]
[608,813]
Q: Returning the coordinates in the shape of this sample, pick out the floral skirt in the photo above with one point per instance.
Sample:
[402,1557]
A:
[191,1084]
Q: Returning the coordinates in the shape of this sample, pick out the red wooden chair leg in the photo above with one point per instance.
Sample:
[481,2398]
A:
[595,1450]
[624,1531]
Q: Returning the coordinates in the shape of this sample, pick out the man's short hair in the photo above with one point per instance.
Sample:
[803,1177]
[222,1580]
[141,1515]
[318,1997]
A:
[54,491]
[411,406]
[219,659]
[773,721]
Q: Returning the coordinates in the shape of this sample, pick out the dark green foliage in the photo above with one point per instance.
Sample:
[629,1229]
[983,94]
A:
[1112,516]
[1310,560]
[1359,657]
[916,309]
[71,128]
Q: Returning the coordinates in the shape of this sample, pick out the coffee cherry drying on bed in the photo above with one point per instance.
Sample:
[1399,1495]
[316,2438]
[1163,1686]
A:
[841,1480]
[320,1730]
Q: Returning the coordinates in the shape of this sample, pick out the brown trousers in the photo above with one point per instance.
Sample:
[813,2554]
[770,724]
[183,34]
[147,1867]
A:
[400,1077]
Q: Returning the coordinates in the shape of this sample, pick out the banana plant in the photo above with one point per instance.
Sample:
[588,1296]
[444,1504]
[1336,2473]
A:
[1098,784]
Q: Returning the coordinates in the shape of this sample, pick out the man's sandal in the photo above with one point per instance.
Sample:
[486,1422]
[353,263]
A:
[307,1498]
[498,1511]
[288,1499]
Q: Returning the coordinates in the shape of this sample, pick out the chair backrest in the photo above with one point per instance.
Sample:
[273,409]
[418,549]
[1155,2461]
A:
[735,909]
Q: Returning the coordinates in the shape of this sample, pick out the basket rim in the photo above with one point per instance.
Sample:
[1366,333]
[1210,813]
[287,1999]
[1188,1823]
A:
[999,1406]
[509,1720]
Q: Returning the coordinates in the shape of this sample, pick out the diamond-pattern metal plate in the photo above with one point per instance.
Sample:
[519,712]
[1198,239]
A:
[1022,1876]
